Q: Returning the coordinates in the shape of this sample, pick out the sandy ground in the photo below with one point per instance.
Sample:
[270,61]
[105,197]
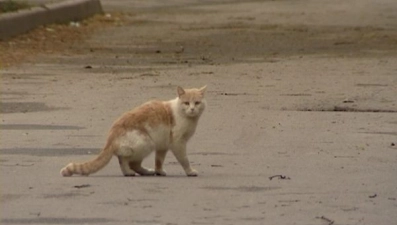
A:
[301,89]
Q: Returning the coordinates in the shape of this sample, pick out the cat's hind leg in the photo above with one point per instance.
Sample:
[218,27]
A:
[125,167]
[137,167]
[134,147]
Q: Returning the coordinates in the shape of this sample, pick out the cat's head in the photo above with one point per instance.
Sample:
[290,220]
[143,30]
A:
[191,101]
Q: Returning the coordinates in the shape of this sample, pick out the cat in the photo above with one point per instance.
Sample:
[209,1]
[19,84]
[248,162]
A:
[154,126]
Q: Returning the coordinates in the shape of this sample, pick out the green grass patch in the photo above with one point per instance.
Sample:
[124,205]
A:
[12,6]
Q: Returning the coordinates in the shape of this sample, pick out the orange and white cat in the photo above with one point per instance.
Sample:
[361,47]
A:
[154,126]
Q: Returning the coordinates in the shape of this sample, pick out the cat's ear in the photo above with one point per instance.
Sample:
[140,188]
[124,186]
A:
[203,89]
[180,91]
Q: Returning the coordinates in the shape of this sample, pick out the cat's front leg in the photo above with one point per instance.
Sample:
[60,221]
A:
[159,161]
[179,151]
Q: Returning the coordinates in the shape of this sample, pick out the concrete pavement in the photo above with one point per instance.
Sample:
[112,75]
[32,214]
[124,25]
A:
[295,88]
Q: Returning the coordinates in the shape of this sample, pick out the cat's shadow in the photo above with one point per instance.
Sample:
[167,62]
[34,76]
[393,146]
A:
[140,177]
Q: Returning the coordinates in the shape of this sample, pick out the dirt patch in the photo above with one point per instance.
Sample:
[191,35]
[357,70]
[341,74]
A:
[349,109]
[55,220]
[55,38]
[49,151]
[232,42]
[24,107]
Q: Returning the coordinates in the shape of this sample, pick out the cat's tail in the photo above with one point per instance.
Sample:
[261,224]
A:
[92,166]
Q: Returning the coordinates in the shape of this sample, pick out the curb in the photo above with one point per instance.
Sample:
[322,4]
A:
[15,23]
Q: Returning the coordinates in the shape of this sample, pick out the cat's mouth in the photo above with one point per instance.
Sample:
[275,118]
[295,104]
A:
[192,113]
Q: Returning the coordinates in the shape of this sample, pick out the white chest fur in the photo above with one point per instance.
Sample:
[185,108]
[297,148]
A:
[184,126]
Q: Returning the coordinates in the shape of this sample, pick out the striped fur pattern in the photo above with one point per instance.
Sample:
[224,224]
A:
[157,126]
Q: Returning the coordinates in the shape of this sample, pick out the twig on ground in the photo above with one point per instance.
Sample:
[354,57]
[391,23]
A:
[82,186]
[373,196]
[329,221]
[280,177]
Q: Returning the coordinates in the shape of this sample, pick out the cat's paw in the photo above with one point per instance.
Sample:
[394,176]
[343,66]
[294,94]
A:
[161,173]
[192,173]
[148,172]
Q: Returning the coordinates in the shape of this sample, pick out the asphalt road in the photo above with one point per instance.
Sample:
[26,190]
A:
[301,125]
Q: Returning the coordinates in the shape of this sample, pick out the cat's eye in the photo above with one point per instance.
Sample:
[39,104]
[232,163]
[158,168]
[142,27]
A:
[186,103]
[197,103]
